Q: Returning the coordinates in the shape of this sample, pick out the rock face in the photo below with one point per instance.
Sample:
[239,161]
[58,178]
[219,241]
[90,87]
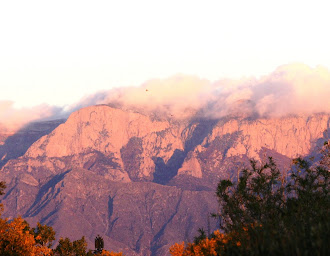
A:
[143,184]
[14,144]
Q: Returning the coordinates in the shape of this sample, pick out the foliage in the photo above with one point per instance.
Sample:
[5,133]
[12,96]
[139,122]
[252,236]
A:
[258,197]
[2,188]
[107,253]
[67,248]
[78,248]
[16,240]
[208,246]
[267,214]
[44,235]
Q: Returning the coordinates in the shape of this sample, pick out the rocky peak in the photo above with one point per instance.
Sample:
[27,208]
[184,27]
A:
[100,128]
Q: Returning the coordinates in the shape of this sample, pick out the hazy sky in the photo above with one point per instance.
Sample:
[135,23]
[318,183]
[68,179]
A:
[58,51]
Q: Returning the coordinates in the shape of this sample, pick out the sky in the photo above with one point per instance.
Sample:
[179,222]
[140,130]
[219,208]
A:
[55,53]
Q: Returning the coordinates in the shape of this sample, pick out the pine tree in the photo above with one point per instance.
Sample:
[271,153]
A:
[99,244]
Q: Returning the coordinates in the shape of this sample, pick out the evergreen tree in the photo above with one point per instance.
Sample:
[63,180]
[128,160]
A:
[64,247]
[2,189]
[267,214]
[80,247]
[99,244]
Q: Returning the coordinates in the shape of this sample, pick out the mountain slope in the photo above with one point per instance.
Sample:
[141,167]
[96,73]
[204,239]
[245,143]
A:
[14,144]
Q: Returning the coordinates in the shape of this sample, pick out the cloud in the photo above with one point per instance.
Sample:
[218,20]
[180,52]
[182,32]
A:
[12,119]
[293,89]
[178,96]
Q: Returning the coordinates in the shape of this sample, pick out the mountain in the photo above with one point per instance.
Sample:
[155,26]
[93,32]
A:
[144,183]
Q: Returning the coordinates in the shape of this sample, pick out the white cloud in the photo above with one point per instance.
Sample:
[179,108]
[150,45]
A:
[290,89]
[12,118]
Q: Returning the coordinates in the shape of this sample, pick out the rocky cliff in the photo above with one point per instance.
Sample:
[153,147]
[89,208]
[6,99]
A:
[143,183]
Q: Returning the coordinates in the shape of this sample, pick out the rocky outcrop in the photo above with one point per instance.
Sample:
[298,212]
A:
[240,138]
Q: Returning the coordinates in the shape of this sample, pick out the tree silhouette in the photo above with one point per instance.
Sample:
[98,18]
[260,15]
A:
[2,188]
[99,244]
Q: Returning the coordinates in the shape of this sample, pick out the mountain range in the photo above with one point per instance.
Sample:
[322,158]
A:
[141,182]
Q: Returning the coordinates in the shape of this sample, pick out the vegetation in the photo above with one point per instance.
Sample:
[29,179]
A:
[265,213]
[18,239]
[99,243]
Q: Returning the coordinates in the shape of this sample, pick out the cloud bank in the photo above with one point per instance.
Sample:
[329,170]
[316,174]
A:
[294,89]
[12,119]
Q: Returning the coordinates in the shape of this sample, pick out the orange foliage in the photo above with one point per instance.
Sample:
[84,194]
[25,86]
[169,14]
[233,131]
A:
[177,249]
[15,239]
[207,246]
[107,253]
